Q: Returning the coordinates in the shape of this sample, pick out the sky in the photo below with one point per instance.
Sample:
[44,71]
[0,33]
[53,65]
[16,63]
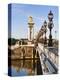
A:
[19,19]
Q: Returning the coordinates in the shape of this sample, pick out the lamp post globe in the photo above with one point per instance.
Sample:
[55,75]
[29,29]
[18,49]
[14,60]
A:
[50,16]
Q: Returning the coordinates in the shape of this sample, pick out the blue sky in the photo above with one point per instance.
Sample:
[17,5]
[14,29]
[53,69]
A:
[20,14]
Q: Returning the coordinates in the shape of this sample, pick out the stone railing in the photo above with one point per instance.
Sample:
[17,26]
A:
[49,59]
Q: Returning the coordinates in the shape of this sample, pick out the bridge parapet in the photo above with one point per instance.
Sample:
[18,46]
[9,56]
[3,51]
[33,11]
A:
[49,58]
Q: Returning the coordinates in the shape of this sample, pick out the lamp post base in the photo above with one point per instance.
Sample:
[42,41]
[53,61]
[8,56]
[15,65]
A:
[45,41]
[50,43]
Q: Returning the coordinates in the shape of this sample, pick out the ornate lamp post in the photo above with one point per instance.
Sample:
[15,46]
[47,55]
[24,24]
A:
[55,38]
[50,26]
[55,34]
[42,32]
[45,27]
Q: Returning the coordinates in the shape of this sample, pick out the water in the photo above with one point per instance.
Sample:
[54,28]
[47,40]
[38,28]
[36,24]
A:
[24,66]
[22,72]
[21,68]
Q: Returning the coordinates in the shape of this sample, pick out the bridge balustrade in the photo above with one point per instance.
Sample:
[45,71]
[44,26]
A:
[49,59]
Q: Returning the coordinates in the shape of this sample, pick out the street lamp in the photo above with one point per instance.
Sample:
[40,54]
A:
[55,34]
[42,32]
[55,38]
[45,30]
[50,26]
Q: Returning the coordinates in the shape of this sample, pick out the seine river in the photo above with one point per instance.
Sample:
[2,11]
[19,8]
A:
[22,67]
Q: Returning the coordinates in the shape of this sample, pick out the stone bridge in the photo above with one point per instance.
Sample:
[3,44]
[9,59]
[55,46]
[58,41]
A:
[47,57]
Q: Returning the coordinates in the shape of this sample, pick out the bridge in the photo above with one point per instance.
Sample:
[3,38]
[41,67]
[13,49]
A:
[44,58]
[47,57]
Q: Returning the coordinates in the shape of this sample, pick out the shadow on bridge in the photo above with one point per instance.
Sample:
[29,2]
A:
[39,67]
